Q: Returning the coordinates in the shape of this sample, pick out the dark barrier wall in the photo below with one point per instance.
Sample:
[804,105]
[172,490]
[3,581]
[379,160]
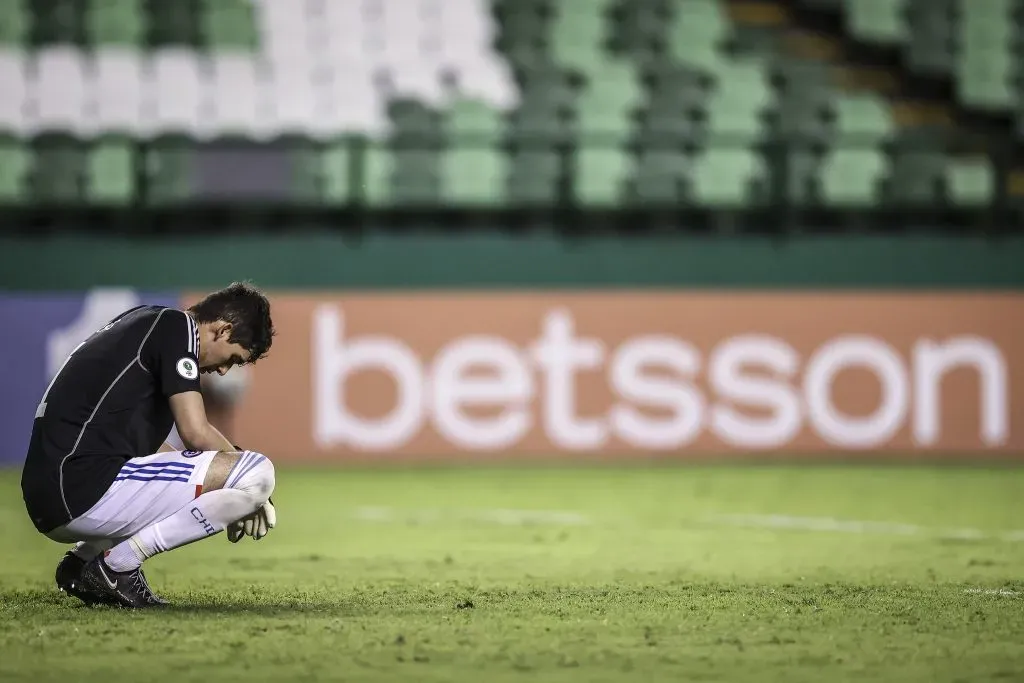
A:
[506,260]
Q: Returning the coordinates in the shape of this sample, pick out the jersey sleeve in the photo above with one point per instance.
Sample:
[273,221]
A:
[173,353]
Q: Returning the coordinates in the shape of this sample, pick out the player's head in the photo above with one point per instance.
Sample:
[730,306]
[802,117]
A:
[234,327]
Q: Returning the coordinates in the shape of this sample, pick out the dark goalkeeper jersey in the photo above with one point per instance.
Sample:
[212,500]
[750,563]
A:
[108,403]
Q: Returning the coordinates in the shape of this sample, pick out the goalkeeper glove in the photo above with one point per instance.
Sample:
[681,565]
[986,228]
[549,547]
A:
[256,525]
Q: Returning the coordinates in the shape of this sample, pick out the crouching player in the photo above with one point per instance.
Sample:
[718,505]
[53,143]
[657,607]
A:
[98,472]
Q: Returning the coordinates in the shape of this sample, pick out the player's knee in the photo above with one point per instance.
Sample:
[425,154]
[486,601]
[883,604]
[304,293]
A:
[256,477]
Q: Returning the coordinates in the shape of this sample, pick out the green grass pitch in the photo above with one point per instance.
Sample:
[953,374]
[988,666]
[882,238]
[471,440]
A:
[600,574]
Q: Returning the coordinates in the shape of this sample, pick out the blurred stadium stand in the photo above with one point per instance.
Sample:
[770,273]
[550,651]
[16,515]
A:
[598,104]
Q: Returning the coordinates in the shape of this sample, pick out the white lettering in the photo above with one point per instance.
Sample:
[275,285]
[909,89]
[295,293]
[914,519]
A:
[848,352]
[480,392]
[335,361]
[729,382]
[933,361]
[509,383]
[560,355]
[685,401]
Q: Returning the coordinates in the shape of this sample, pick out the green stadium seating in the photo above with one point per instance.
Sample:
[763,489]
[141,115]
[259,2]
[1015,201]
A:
[15,22]
[379,172]
[918,168]
[696,32]
[970,183]
[878,21]
[58,22]
[111,172]
[15,164]
[658,175]
[229,24]
[174,24]
[725,176]
[601,174]
[116,22]
[58,168]
[480,104]
[578,34]
[335,169]
[977,44]
[168,170]
[534,177]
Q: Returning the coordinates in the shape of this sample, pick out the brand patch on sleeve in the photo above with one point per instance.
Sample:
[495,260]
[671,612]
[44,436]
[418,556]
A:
[187,368]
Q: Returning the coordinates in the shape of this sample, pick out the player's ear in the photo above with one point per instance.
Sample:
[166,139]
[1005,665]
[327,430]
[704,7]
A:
[224,330]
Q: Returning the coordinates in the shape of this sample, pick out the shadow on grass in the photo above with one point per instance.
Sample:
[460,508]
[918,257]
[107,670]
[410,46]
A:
[27,601]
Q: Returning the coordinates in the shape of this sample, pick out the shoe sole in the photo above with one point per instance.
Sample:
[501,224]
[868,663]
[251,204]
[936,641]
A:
[88,598]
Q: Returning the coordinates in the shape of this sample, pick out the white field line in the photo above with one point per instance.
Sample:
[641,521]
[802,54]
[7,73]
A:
[1001,592]
[521,517]
[513,517]
[500,516]
[846,526]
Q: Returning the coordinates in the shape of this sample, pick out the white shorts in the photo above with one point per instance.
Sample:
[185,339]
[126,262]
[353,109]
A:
[146,490]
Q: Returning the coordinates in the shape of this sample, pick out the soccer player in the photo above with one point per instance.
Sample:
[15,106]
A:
[98,470]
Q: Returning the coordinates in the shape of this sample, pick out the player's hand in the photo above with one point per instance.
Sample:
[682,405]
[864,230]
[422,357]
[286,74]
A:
[235,531]
[256,525]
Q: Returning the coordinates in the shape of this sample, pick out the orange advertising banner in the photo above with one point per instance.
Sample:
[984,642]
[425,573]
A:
[435,375]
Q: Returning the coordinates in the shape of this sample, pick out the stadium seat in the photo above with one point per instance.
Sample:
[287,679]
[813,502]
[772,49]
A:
[117,93]
[862,120]
[379,169]
[639,30]
[578,34]
[535,177]
[736,106]
[335,172]
[59,168]
[930,50]
[168,169]
[473,122]
[970,182]
[917,168]
[985,35]
[850,177]
[696,32]
[878,21]
[474,168]
[606,106]
[724,176]
[116,23]
[173,92]
[601,174]
[110,174]
[58,23]
[58,90]
[14,170]
[15,24]
[175,25]
[228,24]
[474,176]
[14,117]
[659,175]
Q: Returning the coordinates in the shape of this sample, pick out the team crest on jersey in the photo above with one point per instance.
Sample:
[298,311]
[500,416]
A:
[187,368]
[190,454]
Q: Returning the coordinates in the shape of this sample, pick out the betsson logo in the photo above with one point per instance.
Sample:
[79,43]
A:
[656,372]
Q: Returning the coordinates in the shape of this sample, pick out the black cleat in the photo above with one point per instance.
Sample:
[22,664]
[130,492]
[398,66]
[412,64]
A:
[126,589]
[69,580]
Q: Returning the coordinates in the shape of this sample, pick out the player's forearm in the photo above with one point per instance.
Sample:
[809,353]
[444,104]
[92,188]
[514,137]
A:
[226,444]
[208,438]
[193,426]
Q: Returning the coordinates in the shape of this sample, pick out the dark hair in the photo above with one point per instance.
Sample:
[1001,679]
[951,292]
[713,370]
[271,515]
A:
[248,311]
